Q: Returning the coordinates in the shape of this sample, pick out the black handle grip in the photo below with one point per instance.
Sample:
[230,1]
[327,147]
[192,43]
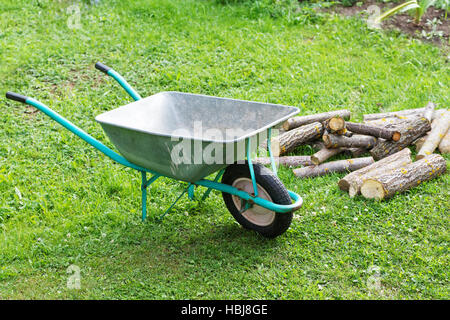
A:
[16,97]
[103,68]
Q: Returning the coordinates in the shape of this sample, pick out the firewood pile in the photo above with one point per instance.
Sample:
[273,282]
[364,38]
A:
[385,136]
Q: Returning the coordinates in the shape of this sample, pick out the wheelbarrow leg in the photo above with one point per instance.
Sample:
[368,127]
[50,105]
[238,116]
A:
[208,191]
[144,195]
[191,190]
[175,202]
[144,184]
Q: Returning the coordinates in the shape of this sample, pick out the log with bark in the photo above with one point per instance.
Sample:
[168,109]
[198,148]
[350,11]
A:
[429,111]
[335,124]
[385,121]
[333,166]
[289,140]
[444,146]
[375,131]
[410,129]
[355,141]
[352,152]
[387,184]
[289,161]
[324,154]
[353,181]
[298,121]
[263,139]
[403,114]
[318,145]
[344,132]
[356,152]
[419,142]
[435,136]
[438,113]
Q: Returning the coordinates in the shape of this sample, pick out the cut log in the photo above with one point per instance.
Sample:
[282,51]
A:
[419,142]
[438,113]
[356,152]
[289,140]
[289,161]
[353,181]
[263,139]
[375,131]
[444,146]
[296,122]
[345,183]
[410,129]
[325,154]
[318,145]
[429,111]
[333,166]
[335,124]
[436,135]
[386,185]
[403,114]
[355,141]
[344,132]
[385,121]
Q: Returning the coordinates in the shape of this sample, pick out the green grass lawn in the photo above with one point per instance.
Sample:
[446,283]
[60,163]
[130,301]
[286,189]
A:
[63,203]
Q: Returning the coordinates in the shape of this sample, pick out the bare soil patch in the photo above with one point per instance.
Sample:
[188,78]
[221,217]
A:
[404,22]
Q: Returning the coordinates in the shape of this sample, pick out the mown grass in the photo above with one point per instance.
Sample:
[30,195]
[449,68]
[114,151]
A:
[64,203]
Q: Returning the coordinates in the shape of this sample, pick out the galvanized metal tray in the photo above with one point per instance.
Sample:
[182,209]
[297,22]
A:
[148,132]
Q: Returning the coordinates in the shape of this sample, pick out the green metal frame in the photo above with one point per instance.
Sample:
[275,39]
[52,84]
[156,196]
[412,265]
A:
[209,184]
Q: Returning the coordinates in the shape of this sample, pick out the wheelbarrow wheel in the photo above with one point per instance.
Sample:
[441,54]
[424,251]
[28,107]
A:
[268,223]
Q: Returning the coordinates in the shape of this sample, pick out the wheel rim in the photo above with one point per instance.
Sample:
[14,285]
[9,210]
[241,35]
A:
[256,214]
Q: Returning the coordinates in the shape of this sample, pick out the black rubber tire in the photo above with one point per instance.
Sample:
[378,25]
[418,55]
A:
[272,185]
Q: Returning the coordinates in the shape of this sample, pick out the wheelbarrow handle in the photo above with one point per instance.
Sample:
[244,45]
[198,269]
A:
[16,97]
[75,130]
[102,67]
[114,74]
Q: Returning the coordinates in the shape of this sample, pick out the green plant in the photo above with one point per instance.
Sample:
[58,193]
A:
[419,7]
[433,24]
[444,5]
[422,8]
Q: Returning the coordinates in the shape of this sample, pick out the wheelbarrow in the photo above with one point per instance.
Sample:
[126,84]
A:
[189,137]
